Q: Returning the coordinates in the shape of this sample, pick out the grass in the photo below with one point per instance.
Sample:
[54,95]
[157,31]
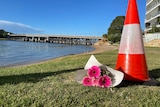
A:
[52,84]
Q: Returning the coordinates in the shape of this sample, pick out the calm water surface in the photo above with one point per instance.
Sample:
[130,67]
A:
[17,53]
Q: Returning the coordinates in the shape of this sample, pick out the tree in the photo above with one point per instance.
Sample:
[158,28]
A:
[3,34]
[114,37]
[116,25]
[115,29]
[105,35]
[154,29]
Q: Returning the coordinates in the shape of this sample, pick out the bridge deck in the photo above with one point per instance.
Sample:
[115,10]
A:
[82,40]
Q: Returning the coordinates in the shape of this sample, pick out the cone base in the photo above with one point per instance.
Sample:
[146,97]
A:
[134,66]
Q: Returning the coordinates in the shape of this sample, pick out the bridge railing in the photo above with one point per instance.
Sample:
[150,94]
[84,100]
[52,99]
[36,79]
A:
[151,36]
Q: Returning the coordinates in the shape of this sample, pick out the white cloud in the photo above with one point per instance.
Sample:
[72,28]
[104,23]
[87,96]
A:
[15,27]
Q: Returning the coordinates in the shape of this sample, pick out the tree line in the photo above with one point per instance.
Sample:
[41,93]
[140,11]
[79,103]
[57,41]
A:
[4,34]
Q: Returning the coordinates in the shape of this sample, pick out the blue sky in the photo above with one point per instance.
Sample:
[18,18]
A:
[68,17]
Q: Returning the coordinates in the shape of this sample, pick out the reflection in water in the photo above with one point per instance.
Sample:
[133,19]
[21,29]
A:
[16,53]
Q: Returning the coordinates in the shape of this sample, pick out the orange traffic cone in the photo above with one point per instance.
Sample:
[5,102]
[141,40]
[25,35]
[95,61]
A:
[131,56]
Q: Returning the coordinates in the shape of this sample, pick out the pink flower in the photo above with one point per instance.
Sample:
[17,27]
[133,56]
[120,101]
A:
[94,71]
[95,82]
[105,81]
[87,81]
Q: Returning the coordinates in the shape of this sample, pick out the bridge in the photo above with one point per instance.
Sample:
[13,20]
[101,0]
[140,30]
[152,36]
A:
[61,39]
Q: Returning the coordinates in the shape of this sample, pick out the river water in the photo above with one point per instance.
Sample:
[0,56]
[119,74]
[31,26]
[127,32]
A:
[13,53]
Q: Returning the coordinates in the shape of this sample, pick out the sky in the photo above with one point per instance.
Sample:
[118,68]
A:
[63,17]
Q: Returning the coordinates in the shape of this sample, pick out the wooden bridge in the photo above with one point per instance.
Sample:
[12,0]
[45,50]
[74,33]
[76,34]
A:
[61,39]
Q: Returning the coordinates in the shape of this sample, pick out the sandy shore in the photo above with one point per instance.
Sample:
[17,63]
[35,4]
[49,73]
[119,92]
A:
[102,48]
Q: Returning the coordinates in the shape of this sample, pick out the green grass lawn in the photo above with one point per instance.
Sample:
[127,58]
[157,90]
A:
[52,84]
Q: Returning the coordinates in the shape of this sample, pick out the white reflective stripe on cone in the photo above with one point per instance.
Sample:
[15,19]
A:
[131,40]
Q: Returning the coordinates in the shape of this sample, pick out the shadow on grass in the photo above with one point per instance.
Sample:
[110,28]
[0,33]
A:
[153,74]
[30,78]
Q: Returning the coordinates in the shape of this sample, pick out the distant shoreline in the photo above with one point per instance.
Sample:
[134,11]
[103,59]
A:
[3,38]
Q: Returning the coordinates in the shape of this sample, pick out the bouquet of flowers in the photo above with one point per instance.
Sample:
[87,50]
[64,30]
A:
[96,74]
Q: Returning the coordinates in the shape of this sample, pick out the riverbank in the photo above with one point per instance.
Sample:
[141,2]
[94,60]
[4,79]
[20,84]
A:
[102,48]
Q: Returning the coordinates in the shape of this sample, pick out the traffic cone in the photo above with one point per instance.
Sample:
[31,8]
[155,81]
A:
[131,56]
